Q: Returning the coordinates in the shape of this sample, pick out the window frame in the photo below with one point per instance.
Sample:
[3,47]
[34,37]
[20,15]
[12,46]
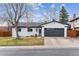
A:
[37,29]
[29,29]
[19,29]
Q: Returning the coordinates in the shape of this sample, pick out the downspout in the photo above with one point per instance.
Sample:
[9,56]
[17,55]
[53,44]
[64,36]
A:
[73,26]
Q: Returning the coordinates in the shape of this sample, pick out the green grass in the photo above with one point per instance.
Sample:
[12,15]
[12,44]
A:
[26,41]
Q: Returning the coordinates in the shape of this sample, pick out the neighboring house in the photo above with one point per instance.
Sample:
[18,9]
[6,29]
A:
[50,29]
[3,26]
[4,29]
[75,23]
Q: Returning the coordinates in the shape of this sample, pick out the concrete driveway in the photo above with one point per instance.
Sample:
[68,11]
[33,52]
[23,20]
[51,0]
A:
[61,42]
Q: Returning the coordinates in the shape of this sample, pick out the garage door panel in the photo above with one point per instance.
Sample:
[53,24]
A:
[54,32]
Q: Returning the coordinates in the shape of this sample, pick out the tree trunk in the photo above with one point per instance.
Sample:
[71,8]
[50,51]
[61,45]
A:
[9,28]
[17,34]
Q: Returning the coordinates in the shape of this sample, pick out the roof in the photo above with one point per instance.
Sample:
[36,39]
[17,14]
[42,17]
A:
[54,21]
[34,24]
[74,19]
[29,24]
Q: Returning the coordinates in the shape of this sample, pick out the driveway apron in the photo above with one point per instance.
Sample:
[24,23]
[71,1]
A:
[61,41]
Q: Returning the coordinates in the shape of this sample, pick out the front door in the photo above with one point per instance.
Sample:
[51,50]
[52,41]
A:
[40,31]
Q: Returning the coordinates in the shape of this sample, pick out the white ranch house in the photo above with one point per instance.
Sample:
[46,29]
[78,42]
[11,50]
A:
[50,29]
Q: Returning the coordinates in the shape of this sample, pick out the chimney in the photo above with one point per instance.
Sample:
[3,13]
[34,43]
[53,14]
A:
[74,16]
[53,20]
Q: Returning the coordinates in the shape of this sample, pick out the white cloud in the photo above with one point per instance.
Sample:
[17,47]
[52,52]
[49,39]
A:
[62,4]
[52,6]
[39,4]
[35,4]
[38,15]
[32,4]
[35,8]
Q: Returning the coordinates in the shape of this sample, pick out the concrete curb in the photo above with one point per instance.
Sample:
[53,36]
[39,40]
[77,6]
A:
[37,47]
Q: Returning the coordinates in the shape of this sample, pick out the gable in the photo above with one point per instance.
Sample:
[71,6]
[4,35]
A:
[54,25]
[74,19]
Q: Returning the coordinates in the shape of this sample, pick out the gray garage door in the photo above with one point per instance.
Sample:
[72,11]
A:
[55,32]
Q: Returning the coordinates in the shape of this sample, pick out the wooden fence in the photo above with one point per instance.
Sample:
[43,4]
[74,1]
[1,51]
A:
[72,33]
[5,33]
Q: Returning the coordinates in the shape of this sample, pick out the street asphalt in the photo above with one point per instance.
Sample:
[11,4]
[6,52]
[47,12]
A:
[39,52]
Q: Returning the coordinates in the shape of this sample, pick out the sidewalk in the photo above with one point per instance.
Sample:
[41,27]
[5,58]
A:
[61,42]
[38,47]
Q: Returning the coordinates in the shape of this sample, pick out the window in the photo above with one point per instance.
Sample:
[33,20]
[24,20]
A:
[19,29]
[36,29]
[29,29]
[45,28]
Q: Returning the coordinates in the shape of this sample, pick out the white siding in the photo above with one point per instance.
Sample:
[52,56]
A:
[13,32]
[74,23]
[53,25]
[77,23]
[65,32]
[42,31]
[24,32]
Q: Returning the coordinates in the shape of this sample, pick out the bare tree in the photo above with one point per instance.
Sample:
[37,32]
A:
[29,15]
[15,12]
[49,14]
[5,19]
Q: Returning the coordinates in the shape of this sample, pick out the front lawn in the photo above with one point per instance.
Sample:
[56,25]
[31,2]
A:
[26,41]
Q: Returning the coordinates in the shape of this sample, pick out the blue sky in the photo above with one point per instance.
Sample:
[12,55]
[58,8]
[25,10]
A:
[70,7]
